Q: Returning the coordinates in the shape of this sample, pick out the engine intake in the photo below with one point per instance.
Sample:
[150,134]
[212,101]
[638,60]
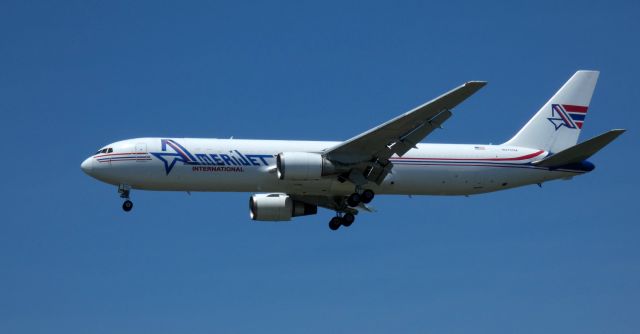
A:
[278,207]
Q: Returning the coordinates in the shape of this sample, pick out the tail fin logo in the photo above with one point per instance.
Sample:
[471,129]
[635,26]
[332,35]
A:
[567,115]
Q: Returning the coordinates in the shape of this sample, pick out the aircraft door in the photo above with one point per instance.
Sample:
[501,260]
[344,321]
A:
[141,148]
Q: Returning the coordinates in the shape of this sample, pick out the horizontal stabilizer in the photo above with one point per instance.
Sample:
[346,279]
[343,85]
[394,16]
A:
[578,153]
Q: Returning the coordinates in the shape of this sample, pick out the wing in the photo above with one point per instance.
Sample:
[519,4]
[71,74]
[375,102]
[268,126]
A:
[370,151]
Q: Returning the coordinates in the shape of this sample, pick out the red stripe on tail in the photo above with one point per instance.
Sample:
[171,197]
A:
[572,108]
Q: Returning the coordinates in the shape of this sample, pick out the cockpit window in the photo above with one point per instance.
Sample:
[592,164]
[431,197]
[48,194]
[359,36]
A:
[104,150]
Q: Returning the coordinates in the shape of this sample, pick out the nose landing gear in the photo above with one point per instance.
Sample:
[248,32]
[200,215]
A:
[127,205]
[124,190]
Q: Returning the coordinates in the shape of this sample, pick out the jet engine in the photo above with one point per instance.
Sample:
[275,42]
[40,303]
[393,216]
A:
[302,166]
[278,207]
[299,166]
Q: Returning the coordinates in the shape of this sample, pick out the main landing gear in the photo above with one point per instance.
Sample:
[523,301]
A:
[358,197]
[125,191]
[342,220]
[346,215]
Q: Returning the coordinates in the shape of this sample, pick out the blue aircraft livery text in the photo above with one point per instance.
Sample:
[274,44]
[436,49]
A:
[234,159]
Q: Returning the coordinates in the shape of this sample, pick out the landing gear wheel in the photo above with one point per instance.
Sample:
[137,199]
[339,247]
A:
[367,196]
[127,205]
[335,223]
[354,199]
[348,219]
[124,190]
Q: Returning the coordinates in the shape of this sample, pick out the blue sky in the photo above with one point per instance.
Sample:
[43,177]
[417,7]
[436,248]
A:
[79,74]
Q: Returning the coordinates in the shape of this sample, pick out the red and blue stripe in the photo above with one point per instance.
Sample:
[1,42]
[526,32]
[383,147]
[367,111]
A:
[577,113]
[512,162]
[116,157]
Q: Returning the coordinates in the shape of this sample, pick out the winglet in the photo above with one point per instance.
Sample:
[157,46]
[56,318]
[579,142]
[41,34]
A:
[580,152]
[478,84]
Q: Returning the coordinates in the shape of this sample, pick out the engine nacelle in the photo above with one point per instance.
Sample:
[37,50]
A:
[299,166]
[278,207]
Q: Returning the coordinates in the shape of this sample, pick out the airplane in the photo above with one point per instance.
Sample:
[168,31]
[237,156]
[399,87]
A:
[293,178]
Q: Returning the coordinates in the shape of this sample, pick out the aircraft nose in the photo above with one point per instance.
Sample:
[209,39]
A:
[87,165]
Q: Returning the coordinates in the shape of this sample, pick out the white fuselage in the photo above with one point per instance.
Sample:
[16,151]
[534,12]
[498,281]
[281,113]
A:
[234,165]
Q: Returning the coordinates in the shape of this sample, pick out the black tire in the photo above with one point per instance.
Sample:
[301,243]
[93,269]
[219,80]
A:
[348,219]
[335,223]
[367,196]
[353,200]
[127,205]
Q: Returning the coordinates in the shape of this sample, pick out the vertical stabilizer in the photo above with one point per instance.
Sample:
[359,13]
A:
[556,126]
